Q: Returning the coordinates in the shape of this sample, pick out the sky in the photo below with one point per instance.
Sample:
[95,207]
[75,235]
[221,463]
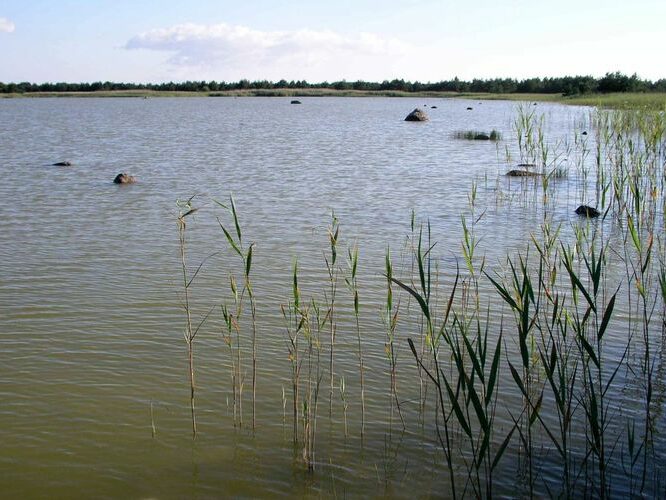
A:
[426,40]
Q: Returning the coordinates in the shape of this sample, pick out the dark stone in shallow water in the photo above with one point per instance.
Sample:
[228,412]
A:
[522,173]
[295,102]
[63,164]
[469,108]
[418,115]
[587,211]
[123,178]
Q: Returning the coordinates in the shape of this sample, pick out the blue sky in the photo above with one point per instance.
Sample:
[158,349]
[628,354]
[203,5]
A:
[426,40]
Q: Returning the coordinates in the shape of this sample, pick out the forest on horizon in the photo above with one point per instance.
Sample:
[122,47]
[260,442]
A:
[566,85]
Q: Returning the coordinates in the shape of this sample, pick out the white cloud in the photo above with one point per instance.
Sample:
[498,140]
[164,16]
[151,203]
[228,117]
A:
[6,25]
[224,51]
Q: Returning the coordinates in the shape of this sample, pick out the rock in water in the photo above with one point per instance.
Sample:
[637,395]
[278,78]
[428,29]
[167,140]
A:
[63,164]
[123,178]
[295,102]
[418,115]
[587,211]
[522,173]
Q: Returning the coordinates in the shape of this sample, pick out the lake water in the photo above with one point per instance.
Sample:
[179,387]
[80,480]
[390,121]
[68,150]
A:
[92,354]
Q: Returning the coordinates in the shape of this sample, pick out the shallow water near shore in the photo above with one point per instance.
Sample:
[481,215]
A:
[94,394]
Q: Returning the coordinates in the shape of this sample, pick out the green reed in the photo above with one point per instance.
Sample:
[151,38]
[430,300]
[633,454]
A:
[390,320]
[519,360]
[185,210]
[333,271]
[236,244]
[294,324]
[352,284]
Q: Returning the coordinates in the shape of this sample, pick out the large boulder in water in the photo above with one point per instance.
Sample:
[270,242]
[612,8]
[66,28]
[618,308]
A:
[124,178]
[418,115]
[587,211]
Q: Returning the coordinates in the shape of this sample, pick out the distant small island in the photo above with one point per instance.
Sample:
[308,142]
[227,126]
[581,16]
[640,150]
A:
[613,90]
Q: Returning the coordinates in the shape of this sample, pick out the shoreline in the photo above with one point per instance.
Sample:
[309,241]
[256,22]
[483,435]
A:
[628,100]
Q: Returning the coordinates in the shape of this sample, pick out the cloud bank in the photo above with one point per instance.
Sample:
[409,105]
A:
[224,51]
[6,26]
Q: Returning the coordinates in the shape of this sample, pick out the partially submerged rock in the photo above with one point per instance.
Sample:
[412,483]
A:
[522,173]
[296,101]
[63,164]
[433,107]
[469,108]
[418,115]
[124,178]
[588,211]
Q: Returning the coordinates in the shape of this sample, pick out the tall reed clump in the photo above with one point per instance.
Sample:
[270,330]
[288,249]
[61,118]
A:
[631,160]
[304,320]
[528,363]
[233,319]
[464,368]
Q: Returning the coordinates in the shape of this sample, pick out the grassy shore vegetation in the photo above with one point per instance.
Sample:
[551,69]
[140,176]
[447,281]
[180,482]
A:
[549,363]
[621,100]
[585,90]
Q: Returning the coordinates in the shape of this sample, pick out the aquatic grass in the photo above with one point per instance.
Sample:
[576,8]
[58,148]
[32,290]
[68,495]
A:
[294,325]
[470,389]
[227,336]
[390,320]
[186,210]
[524,303]
[476,135]
[655,101]
[310,314]
[519,361]
[236,244]
[345,403]
[352,284]
[333,271]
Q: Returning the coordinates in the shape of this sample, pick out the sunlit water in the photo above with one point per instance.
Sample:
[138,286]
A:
[91,324]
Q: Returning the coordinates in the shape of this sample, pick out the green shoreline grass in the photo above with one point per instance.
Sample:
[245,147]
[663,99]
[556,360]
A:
[627,100]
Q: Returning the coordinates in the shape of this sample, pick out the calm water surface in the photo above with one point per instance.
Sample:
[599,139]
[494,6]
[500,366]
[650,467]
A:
[91,328]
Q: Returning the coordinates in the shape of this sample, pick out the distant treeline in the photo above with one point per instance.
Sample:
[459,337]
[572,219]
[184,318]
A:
[567,85]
